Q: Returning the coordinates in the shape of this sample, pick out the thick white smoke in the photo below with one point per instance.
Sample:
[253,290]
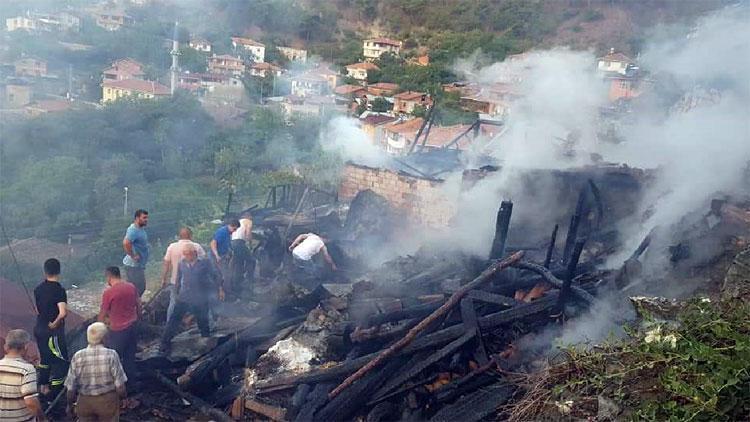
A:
[342,135]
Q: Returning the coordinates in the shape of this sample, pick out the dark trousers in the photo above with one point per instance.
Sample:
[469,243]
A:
[125,342]
[53,353]
[198,310]
[137,276]
[241,268]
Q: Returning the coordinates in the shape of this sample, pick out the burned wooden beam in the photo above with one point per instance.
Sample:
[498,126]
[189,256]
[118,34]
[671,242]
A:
[440,312]
[344,405]
[547,275]
[317,398]
[501,230]
[477,405]
[273,413]
[380,412]
[469,319]
[419,311]
[199,404]
[435,339]
[201,368]
[572,264]
[414,370]
[575,221]
[551,247]
[493,298]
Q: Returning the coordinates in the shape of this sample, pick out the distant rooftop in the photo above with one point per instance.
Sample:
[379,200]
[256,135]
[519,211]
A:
[147,87]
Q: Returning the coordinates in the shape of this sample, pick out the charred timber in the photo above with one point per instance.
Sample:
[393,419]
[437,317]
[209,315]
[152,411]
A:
[572,264]
[477,405]
[414,370]
[493,298]
[439,313]
[469,319]
[501,230]
[549,277]
[435,339]
[575,222]
[202,406]
[419,311]
[551,247]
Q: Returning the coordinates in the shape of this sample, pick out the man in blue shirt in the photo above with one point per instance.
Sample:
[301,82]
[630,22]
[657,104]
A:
[196,283]
[221,246]
[136,248]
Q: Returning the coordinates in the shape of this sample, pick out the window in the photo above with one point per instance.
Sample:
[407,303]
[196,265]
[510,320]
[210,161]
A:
[624,85]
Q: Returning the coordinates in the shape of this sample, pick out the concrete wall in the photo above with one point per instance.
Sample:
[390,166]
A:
[420,199]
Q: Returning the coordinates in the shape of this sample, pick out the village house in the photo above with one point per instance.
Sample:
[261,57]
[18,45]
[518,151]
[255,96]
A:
[121,69]
[226,65]
[265,69]
[372,125]
[310,105]
[399,135]
[406,102]
[350,92]
[359,71]
[62,21]
[294,54]
[421,60]
[15,94]
[382,89]
[257,50]
[615,62]
[626,87]
[200,44]
[113,90]
[20,23]
[206,83]
[30,66]
[373,48]
[112,20]
[308,84]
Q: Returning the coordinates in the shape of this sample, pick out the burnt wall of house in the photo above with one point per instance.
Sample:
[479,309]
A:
[421,199]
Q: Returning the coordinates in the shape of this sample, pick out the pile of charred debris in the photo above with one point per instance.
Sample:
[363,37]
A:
[430,336]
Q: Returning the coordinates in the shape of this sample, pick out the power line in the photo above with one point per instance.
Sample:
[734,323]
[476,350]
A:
[18,267]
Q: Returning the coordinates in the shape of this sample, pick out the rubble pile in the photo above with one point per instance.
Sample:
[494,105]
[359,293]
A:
[429,336]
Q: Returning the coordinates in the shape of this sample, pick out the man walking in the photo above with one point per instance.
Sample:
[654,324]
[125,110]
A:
[242,263]
[136,249]
[96,377]
[49,331]
[195,284]
[172,261]
[221,248]
[121,307]
[19,401]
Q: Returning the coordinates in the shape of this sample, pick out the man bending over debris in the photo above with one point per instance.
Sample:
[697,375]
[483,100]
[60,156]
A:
[195,283]
[305,249]
[97,378]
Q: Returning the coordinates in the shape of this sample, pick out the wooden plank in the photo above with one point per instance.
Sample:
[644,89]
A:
[494,298]
[477,405]
[274,413]
[469,318]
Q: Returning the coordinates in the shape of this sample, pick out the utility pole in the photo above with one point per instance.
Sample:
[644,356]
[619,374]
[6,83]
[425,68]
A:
[125,205]
[175,53]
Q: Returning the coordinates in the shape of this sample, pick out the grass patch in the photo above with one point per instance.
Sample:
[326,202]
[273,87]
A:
[695,369]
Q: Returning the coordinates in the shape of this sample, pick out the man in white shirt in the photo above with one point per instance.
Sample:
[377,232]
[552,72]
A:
[242,265]
[172,260]
[305,248]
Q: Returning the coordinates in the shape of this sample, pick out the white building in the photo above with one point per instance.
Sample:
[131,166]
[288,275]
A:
[376,47]
[20,23]
[294,54]
[200,44]
[257,50]
[614,62]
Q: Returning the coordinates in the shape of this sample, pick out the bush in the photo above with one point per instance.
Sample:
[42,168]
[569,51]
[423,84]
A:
[591,15]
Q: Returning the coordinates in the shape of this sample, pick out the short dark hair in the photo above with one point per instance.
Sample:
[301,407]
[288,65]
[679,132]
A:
[113,271]
[233,222]
[140,212]
[52,266]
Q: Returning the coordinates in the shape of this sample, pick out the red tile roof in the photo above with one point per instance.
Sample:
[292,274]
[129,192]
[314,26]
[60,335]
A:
[410,95]
[50,106]
[265,66]
[247,41]
[616,57]
[384,86]
[385,41]
[407,128]
[348,89]
[363,65]
[377,119]
[148,87]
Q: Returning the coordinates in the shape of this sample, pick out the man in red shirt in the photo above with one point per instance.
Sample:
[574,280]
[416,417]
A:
[121,306]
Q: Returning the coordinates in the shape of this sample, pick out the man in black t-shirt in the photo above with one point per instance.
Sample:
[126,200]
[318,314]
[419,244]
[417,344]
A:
[51,304]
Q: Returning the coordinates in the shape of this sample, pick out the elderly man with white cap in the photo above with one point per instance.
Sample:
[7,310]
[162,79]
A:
[97,378]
